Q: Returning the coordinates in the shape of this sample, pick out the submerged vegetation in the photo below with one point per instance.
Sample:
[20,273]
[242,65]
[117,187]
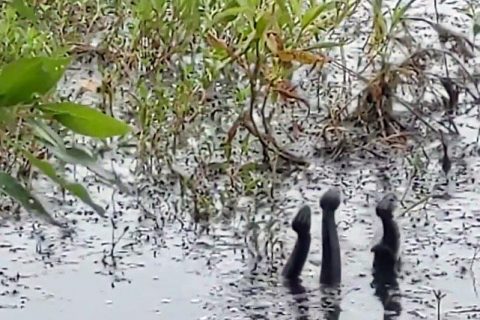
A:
[238,87]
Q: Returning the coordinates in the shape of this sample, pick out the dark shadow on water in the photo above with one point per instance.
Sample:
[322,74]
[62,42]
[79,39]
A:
[330,301]
[300,296]
[388,292]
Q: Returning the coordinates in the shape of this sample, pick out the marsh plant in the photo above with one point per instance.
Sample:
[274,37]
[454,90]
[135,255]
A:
[211,80]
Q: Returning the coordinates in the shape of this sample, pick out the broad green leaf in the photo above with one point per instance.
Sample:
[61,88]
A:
[75,189]
[23,10]
[10,187]
[85,120]
[23,80]
[44,132]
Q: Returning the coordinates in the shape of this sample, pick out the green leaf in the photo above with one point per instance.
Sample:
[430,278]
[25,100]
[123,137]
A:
[85,120]
[74,188]
[399,13]
[284,16]
[80,192]
[81,157]
[232,12]
[45,133]
[7,116]
[44,166]
[23,10]
[327,45]
[243,3]
[23,80]
[262,24]
[379,23]
[313,13]
[296,7]
[10,187]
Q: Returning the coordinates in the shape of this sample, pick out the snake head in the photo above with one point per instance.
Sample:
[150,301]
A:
[330,200]
[302,221]
[387,205]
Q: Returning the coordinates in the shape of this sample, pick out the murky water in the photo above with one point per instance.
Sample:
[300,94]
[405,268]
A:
[166,267]
[75,284]
[173,271]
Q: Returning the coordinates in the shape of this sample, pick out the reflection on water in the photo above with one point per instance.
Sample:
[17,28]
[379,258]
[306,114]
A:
[298,292]
[330,302]
[388,292]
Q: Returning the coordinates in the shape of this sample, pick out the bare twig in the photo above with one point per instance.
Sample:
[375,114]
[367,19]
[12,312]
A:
[439,295]
[421,201]
[436,10]
[474,258]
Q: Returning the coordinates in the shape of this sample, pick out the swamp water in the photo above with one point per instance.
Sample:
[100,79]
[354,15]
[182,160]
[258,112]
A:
[166,268]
